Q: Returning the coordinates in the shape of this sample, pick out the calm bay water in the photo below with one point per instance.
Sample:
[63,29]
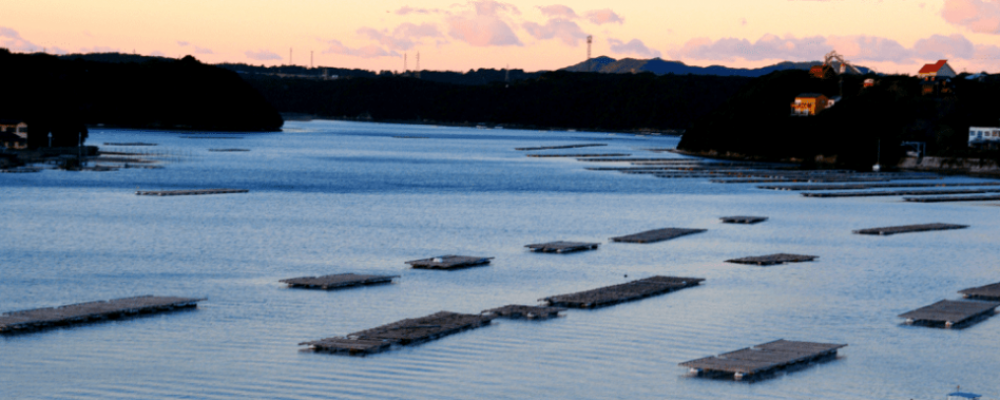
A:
[332,197]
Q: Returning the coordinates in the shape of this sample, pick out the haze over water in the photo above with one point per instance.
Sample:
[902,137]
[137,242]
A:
[332,197]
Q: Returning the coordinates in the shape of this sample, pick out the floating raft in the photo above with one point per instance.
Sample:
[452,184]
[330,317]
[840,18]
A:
[951,199]
[20,170]
[901,193]
[562,247]
[579,155]
[571,146]
[411,137]
[529,312]
[615,294]
[187,192]
[763,358]
[129,144]
[773,259]
[405,332]
[41,318]
[337,281]
[871,186]
[988,292]
[228,150]
[949,313]
[743,220]
[449,262]
[892,230]
[656,235]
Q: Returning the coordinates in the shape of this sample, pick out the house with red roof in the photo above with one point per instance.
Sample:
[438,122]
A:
[940,69]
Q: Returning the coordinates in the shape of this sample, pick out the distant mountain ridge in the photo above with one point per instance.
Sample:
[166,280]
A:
[658,66]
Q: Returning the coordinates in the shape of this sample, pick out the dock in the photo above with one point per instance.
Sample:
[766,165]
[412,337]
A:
[528,312]
[621,293]
[900,193]
[892,230]
[337,281]
[449,262]
[194,192]
[405,332]
[656,235]
[228,150]
[562,247]
[860,186]
[129,144]
[411,137]
[764,358]
[577,155]
[742,219]
[950,313]
[41,318]
[569,146]
[773,259]
[951,199]
[988,292]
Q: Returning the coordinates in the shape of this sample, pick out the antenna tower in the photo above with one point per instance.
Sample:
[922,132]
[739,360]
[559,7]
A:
[310,59]
[406,67]
[418,65]
[590,41]
[289,56]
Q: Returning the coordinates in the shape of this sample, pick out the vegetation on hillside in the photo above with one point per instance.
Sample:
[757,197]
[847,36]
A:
[63,94]
[555,99]
[757,121]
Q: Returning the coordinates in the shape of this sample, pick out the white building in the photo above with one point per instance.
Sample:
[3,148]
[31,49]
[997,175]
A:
[984,136]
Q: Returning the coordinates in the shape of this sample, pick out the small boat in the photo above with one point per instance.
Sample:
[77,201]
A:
[964,396]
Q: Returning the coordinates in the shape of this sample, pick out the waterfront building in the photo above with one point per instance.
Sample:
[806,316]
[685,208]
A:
[869,83]
[984,137]
[808,104]
[936,78]
[13,134]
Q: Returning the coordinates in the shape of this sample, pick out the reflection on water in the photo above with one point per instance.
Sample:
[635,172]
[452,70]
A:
[331,197]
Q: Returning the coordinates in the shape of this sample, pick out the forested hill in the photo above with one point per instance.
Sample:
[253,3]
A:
[153,93]
[555,99]
[757,121]
[659,66]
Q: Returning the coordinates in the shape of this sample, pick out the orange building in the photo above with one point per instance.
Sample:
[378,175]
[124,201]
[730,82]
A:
[808,104]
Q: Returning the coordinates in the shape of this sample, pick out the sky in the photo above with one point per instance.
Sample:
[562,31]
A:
[892,36]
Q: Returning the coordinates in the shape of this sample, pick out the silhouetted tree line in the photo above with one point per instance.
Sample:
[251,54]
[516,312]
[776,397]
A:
[61,96]
[554,99]
[757,121]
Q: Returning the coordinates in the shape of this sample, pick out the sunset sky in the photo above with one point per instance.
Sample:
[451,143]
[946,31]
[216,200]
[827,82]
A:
[890,35]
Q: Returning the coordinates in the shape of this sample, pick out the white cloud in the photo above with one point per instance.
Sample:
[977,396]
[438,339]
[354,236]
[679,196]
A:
[262,55]
[370,51]
[563,29]
[12,40]
[632,47]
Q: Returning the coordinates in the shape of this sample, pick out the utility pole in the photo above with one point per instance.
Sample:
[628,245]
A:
[418,65]
[290,56]
[590,41]
[406,67]
[311,59]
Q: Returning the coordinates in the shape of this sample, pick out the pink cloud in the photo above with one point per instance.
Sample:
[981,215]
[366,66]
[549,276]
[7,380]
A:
[558,11]
[370,51]
[261,55]
[484,24]
[940,47]
[12,40]
[406,10]
[567,31]
[632,47]
[976,15]
[404,37]
[605,16]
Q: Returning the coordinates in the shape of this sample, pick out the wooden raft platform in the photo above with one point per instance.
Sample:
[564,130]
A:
[561,247]
[337,281]
[988,292]
[569,146]
[656,235]
[530,312]
[949,313]
[951,199]
[405,332]
[449,262]
[892,230]
[187,192]
[578,155]
[615,294]
[900,193]
[129,144]
[41,318]
[871,186]
[743,220]
[773,259]
[228,150]
[763,358]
